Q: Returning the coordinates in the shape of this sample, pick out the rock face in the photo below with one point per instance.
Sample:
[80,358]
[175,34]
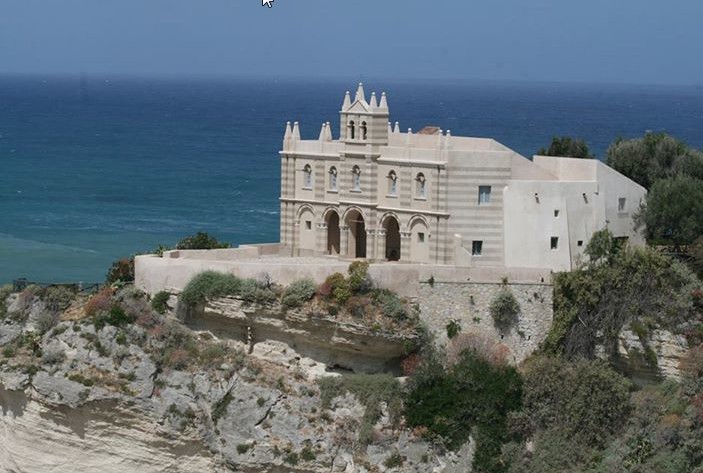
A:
[651,356]
[157,397]
[343,344]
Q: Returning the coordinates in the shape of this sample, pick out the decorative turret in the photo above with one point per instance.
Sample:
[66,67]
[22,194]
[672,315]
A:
[296,132]
[362,122]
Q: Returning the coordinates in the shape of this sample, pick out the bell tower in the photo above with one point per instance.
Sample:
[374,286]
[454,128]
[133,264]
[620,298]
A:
[362,122]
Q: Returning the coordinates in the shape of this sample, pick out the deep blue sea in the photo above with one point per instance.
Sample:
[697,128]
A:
[96,168]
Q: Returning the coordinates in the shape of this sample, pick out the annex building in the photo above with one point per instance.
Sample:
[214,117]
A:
[430,197]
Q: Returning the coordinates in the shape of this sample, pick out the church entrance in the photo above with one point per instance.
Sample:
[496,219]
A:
[357,234]
[333,233]
[392,239]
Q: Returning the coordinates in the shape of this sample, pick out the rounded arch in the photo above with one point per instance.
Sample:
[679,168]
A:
[331,218]
[352,129]
[332,172]
[413,219]
[364,130]
[420,185]
[391,225]
[307,176]
[303,208]
[392,179]
[387,215]
[353,208]
[355,221]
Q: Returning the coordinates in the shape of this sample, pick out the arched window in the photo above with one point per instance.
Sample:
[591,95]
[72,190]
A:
[307,177]
[363,130]
[392,183]
[333,178]
[356,179]
[421,186]
[352,130]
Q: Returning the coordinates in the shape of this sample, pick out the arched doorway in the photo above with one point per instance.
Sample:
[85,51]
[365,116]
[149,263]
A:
[332,233]
[392,239]
[306,237]
[357,234]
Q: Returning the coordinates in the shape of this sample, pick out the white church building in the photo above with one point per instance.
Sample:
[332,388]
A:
[431,197]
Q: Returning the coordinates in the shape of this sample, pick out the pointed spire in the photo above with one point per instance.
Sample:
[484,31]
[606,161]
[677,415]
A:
[329,131]
[409,136]
[323,132]
[374,102]
[296,131]
[384,101]
[288,132]
[397,128]
[390,128]
[347,101]
[360,93]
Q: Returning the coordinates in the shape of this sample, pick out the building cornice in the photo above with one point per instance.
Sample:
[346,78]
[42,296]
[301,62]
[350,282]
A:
[373,205]
[409,162]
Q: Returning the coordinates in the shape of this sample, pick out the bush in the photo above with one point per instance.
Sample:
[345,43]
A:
[5,292]
[495,353]
[588,400]
[200,241]
[370,390]
[45,322]
[453,329]
[394,460]
[391,305]
[337,287]
[121,271]
[116,317]
[504,309]
[298,293]
[472,395]
[253,291]
[209,284]
[53,356]
[101,301]
[160,302]
[359,279]
[58,298]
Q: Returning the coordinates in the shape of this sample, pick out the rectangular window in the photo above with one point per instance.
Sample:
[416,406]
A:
[556,213]
[580,243]
[477,248]
[622,202]
[554,243]
[484,195]
[421,237]
[308,224]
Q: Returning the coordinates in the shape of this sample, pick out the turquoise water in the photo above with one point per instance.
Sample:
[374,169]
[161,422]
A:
[95,168]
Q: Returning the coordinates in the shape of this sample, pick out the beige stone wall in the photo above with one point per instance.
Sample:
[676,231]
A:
[468,304]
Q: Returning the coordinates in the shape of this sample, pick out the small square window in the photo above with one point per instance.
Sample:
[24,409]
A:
[554,243]
[421,238]
[484,195]
[622,202]
[308,224]
[580,243]
[477,248]
[556,213]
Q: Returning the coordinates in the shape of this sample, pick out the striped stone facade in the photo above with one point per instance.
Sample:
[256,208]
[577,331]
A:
[425,197]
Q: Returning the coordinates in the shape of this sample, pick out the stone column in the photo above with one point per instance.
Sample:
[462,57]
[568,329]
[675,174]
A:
[321,238]
[405,240]
[381,245]
[344,241]
[371,244]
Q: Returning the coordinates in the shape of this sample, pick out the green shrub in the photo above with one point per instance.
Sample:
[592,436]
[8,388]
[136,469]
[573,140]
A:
[160,302]
[588,400]
[116,317]
[220,407]
[298,293]
[45,322]
[371,390]
[504,309]
[391,305]
[471,395]
[394,460]
[209,284]
[337,287]
[453,329]
[307,454]
[58,298]
[359,279]
[8,351]
[243,448]
[291,458]
[200,241]
[253,291]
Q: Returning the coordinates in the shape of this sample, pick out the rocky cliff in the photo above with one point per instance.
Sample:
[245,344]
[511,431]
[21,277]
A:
[112,386]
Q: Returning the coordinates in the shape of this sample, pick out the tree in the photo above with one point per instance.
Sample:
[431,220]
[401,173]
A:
[653,157]
[200,241]
[673,211]
[567,147]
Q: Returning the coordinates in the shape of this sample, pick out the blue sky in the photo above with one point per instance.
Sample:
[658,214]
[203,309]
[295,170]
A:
[619,41]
